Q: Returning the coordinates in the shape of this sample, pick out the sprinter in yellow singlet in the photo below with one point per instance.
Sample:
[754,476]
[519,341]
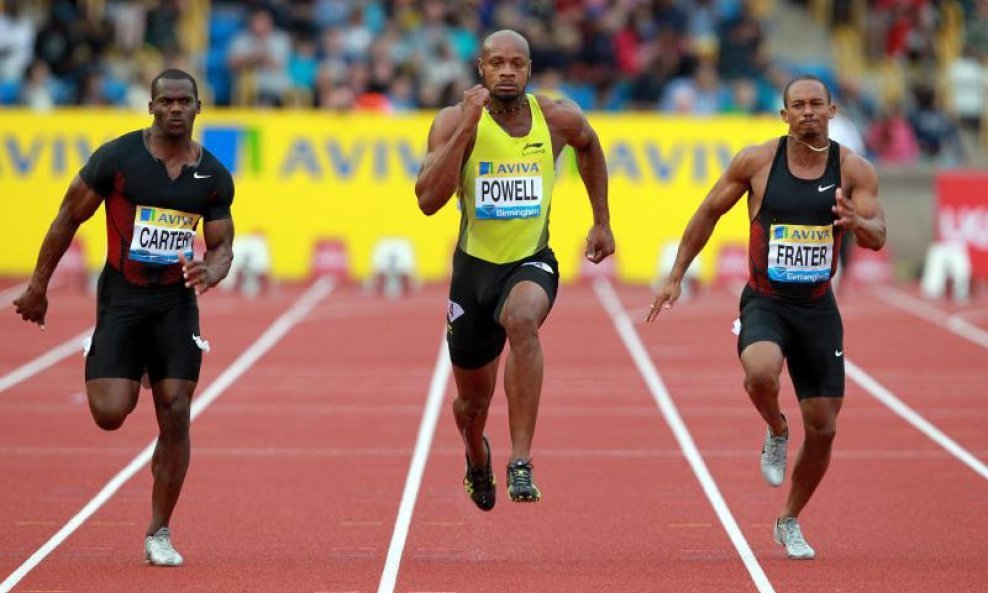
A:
[497,151]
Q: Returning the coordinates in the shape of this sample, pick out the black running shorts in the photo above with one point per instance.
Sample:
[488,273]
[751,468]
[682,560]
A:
[810,334]
[138,328]
[477,293]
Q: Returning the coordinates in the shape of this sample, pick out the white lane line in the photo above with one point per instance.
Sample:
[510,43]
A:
[879,392]
[625,328]
[252,354]
[427,429]
[924,310]
[8,295]
[50,358]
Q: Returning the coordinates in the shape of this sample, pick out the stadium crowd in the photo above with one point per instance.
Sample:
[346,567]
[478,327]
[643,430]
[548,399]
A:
[673,56]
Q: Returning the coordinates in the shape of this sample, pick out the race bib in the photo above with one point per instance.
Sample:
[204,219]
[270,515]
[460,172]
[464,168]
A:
[507,190]
[798,253]
[160,235]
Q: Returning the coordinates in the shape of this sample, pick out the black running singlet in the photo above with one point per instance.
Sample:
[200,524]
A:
[793,245]
[151,218]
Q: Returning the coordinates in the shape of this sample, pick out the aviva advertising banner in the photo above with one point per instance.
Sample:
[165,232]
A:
[303,177]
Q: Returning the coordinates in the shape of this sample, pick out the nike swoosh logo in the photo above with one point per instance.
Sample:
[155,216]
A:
[822,189]
[198,176]
[838,353]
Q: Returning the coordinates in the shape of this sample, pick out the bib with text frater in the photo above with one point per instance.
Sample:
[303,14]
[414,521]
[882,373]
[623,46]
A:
[506,190]
[800,253]
[160,235]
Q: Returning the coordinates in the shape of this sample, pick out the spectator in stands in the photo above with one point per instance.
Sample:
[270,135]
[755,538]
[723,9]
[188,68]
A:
[16,41]
[162,26]
[968,79]
[38,91]
[259,59]
[936,133]
[303,66]
[92,90]
[700,94]
[741,47]
[891,139]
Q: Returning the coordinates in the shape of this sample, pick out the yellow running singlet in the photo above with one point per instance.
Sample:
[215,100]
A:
[506,191]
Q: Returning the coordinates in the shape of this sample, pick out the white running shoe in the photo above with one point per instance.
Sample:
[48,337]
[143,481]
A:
[159,551]
[788,534]
[774,458]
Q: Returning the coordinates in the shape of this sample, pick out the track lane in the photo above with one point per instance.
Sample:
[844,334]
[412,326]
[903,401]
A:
[296,472]
[891,510]
[46,423]
[621,510]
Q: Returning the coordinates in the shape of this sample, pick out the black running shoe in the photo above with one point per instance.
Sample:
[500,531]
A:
[479,482]
[520,486]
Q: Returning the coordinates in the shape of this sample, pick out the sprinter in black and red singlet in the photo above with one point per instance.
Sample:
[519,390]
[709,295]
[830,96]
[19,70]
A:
[158,185]
[804,192]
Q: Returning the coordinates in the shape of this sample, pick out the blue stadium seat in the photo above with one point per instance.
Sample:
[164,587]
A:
[581,94]
[224,23]
[218,75]
[115,90]
[10,92]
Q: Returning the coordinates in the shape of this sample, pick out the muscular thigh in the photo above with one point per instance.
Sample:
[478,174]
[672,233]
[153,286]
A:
[762,320]
[143,328]
[174,347]
[478,291]
[472,333]
[115,350]
[816,358]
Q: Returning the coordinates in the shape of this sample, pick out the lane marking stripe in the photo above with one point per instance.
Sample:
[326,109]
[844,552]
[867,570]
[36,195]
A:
[625,328]
[245,361]
[427,429]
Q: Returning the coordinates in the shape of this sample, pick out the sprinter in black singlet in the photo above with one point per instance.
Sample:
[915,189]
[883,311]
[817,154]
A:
[804,192]
[157,185]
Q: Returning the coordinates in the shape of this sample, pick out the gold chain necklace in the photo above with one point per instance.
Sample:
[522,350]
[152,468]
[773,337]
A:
[810,146]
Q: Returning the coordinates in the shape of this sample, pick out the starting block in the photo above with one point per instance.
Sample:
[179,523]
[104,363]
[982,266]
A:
[947,262]
[394,270]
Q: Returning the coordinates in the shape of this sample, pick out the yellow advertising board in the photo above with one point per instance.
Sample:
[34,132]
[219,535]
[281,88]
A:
[304,176]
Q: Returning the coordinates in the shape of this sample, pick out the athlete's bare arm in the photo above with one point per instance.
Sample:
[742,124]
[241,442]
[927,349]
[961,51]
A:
[78,205]
[860,211]
[215,265]
[451,135]
[568,124]
[734,183]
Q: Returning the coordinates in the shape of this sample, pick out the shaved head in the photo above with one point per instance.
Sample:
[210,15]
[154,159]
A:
[505,64]
[506,39]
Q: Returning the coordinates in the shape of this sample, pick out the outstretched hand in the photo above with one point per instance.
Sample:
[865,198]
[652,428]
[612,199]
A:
[32,306]
[845,211]
[600,243]
[197,274]
[665,298]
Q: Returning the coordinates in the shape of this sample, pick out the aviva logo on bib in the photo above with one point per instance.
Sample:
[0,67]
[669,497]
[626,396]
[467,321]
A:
[162,217]
[499,169]
[794,232]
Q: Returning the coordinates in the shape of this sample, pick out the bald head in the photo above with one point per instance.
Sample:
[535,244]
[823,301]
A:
[505,64]
[505,40]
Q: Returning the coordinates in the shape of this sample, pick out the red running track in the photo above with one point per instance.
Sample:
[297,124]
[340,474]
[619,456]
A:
[299,467]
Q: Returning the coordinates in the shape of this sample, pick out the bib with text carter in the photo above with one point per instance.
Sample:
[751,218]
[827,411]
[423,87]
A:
[506,190]
[800,253]
[160,235]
